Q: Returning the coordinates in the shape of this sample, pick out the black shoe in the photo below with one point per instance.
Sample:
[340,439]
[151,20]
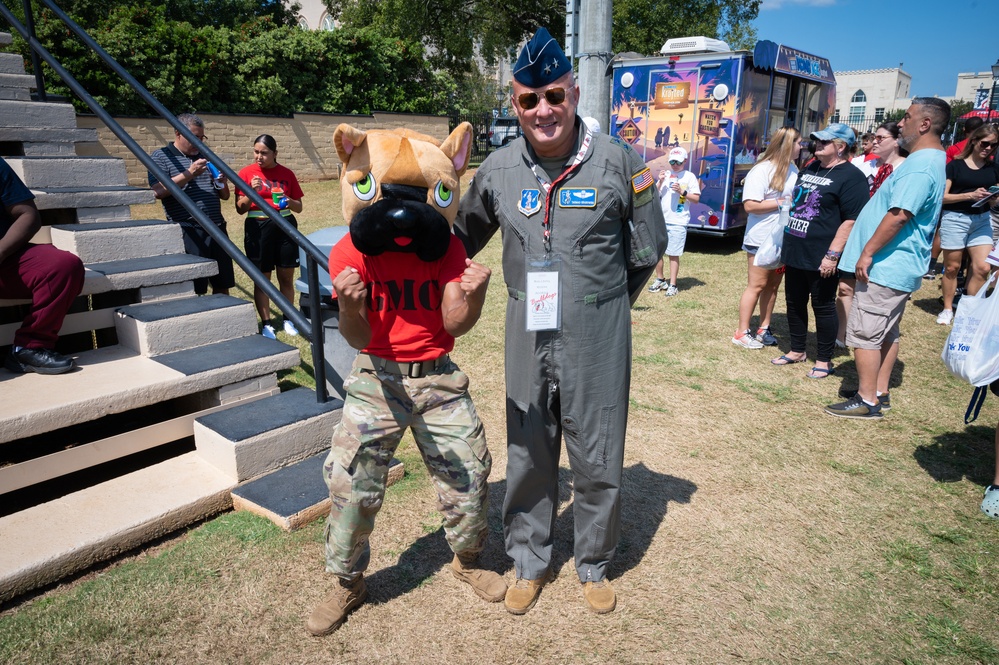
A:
[855,407]
[40,361]
[884,399]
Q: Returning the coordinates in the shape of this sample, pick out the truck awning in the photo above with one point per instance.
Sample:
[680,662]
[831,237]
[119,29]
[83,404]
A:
[769,55]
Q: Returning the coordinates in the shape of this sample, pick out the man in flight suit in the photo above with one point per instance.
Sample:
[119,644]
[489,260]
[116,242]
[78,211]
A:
[582,230]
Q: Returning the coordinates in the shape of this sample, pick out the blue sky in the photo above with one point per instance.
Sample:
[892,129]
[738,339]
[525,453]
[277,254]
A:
[934,39]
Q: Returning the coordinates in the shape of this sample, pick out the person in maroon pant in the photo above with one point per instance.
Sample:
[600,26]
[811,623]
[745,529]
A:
[50,277]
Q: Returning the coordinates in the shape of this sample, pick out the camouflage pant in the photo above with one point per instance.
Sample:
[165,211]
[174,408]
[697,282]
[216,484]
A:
[378,409]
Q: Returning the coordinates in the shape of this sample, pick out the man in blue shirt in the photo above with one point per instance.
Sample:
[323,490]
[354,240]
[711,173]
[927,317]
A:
[888,249]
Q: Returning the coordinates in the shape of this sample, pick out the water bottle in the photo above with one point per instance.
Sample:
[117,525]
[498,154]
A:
[216,176]
[680,201]
[784,206]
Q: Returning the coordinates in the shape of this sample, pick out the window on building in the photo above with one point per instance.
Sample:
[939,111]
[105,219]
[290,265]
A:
[327,24]
[858,107]
[302,23]
[879,115]
[835,116]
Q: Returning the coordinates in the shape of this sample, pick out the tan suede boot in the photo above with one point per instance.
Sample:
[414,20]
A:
[600,596]
[522,596]
[485,583]
[332,612]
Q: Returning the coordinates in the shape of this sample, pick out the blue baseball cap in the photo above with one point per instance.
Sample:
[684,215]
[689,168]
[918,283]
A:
[836,130]
[541,61]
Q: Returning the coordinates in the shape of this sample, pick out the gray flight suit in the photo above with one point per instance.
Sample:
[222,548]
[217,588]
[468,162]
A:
[572,381]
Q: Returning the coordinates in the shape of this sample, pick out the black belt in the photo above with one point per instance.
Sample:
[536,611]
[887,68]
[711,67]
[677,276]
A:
[413,370]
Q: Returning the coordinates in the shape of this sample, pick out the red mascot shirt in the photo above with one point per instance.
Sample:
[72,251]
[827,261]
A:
[404,299]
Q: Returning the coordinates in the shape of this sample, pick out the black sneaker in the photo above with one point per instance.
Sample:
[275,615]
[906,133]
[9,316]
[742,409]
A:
[884,400]
[855,407]
[40,361]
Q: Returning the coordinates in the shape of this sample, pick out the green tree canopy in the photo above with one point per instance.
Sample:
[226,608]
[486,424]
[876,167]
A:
[643,26]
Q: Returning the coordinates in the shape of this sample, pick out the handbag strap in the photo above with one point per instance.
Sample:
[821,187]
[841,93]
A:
[975,405]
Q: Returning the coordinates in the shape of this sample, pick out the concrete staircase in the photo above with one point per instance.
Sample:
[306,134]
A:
[101,460]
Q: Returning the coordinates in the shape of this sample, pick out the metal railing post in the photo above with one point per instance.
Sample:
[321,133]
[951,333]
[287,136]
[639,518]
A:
[318,354]
[36,63]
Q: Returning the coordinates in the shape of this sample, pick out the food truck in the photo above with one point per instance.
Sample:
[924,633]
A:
[721,106]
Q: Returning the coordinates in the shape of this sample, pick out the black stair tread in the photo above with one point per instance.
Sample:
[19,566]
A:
[146,263]
[222,354]
[168,309]
[289,490]
[118,224]
[248,420]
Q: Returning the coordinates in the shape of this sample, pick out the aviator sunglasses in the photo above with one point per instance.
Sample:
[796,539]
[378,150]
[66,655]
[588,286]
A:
[554,97]
[986,144]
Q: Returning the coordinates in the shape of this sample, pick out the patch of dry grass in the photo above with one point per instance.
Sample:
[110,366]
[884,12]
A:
[755,528]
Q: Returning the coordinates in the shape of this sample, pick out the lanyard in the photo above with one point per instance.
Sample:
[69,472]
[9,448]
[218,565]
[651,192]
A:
[546,224]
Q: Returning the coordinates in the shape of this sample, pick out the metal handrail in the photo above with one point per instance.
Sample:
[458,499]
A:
[314,256]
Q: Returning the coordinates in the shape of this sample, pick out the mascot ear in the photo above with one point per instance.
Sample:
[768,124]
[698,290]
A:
[458,147]
[346,139]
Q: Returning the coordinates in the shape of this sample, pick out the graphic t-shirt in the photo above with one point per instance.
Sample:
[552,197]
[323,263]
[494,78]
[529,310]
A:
[276,175]
[673,211]
[963,179]
[822,200]
[757,188]
[404,299]
[916,186]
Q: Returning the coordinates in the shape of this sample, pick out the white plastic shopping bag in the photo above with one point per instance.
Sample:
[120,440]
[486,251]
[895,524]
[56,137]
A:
[972,348]
[768,254]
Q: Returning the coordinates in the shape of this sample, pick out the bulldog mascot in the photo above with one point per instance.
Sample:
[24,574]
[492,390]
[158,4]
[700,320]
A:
[405,290]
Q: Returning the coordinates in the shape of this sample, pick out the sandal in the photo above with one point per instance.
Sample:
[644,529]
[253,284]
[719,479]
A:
[820,372]
[785,360]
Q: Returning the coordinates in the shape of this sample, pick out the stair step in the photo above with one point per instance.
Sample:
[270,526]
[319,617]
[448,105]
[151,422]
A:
[148,271]
[297,494]
[48,134]
[68,172]
[158,328]
[113,241]
[53,198]
[115,379]
[11,63]
[45,543]
[253,439]
[16,113]
[17,80]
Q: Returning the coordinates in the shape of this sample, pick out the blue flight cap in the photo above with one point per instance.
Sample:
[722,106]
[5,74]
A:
[541,61]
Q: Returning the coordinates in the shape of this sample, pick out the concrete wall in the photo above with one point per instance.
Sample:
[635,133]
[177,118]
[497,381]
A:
[305,140]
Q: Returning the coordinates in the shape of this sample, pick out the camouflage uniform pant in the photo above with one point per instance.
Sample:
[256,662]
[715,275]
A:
[378,409]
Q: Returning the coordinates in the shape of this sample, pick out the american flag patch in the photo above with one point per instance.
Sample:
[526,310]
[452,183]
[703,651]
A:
[641,180]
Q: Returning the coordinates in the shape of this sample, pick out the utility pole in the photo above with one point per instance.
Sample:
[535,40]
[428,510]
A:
[593,54]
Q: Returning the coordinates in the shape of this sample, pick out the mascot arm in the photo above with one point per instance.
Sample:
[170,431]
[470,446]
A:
[351,295]
[462,303]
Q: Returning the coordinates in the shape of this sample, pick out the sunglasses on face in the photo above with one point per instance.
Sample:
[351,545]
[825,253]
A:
[822,141]
[674,162]
[554,97]
[879,139]
[986,144]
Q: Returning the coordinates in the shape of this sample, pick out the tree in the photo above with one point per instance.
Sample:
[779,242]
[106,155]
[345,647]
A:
[643,26]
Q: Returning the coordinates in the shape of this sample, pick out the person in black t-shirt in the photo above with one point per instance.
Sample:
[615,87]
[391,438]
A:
[827,198]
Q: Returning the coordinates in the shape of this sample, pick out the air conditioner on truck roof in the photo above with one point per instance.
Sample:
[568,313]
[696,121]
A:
[679,45]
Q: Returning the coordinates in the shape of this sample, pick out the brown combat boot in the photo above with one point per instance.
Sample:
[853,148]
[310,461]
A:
[600,596]
[332,612]
[485,583]
[522,596]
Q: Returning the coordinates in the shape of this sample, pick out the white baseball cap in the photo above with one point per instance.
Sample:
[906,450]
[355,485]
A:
[677,155]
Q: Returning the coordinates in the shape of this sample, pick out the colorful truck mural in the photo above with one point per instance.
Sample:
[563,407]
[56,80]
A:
[721,106]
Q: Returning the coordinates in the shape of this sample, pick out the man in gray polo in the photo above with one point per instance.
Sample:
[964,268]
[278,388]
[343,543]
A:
[888,249]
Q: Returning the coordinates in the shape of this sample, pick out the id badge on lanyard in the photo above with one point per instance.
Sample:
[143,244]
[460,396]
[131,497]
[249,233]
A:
[544,302]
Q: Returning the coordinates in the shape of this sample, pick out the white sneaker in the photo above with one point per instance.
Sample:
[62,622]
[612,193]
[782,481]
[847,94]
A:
[946,317]
[290,329]
[671,290]
[657,285]
[747,341]
[268,332]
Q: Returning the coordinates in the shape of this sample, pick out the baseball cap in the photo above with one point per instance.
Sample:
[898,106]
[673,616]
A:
[677,155]
[541,61]
[836,130]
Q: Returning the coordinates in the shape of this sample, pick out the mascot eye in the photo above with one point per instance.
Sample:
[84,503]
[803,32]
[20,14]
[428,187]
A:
[442,195]
[365,189]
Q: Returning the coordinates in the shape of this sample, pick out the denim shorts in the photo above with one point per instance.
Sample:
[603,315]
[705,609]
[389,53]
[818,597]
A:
[959,230]
[676,238]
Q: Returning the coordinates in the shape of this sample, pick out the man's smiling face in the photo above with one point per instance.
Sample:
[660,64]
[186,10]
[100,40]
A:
[550,129]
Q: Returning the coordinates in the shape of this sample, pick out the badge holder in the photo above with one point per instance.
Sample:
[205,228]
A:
[544,302]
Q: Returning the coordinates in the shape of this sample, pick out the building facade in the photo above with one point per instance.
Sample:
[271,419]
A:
[313,16]
[866,96]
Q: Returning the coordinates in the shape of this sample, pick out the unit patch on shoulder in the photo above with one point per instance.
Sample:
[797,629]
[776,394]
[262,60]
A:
[530,201]
[577,197]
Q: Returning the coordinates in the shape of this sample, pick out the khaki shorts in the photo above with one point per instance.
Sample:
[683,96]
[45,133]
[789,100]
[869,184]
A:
[875,315]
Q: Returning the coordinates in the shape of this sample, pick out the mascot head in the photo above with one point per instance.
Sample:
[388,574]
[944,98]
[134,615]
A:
[401,189]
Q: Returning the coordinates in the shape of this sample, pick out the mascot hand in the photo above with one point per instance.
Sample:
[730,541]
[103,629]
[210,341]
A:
[475,279]
[350,291]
